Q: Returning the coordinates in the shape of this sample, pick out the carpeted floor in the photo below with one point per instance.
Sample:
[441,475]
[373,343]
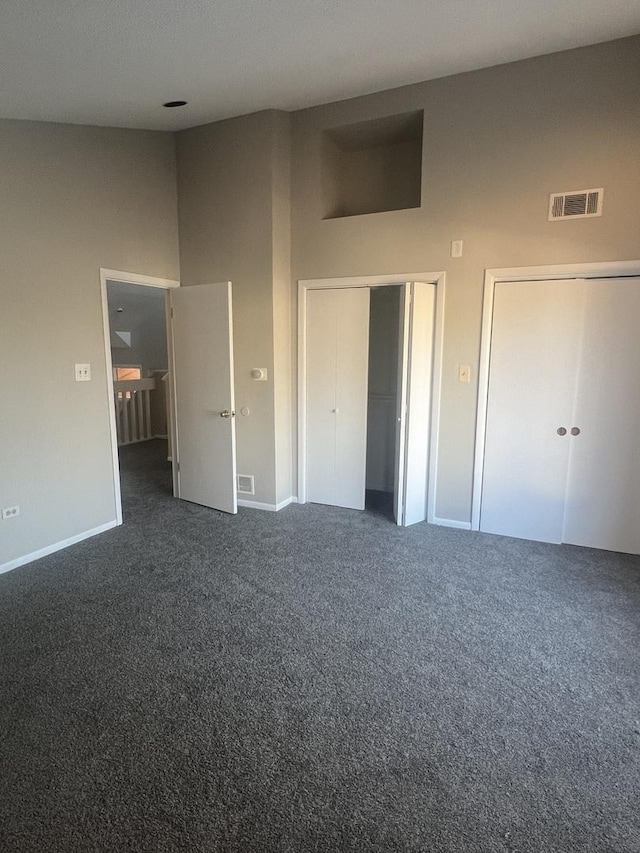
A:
[316,680]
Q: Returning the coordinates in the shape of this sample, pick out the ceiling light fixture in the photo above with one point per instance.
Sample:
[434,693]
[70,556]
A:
[171,104]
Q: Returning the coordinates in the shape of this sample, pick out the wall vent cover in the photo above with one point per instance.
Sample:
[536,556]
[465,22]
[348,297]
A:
[246,484]
[577,204]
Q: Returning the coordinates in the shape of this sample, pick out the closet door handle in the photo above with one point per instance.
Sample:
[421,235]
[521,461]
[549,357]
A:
[561,431]
[575,430]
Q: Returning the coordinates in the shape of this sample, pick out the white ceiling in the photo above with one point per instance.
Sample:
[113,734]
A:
[114,62]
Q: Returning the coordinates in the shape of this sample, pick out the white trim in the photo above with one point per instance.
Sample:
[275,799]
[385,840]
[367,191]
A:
[137,278]
[436,394]
[57,546]
[304,285]
[450,522]
[267,507]
[128,278]
[604,269]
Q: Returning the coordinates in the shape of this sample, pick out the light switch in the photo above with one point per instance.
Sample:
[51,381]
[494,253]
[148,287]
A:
[456,248]
[83,372]
[464,373]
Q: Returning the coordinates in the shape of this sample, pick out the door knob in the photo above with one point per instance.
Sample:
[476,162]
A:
[575,430]
[227,414]
[561,431]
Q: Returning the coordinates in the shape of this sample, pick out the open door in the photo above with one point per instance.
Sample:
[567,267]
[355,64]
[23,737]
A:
[202,371]
[415,369]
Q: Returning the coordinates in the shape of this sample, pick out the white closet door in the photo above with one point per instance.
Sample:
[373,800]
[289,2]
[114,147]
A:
[603,492]
[401,403]
[414,402]
[534,352]
[337,355]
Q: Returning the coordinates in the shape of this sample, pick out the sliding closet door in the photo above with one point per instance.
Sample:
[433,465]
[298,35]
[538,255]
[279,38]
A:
[603,490]
[337,365]
[534,352]
[414,402]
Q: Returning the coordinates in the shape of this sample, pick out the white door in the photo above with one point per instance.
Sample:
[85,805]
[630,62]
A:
[337,366]
[202,370]
[417,324]
[534,351]
[603,490]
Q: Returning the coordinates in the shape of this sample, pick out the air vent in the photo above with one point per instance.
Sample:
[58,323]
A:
[577,204]
[246,484]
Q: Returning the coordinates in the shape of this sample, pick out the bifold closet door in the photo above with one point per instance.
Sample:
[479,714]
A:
[415,375]
[337,367]
[603,486]
[535,345]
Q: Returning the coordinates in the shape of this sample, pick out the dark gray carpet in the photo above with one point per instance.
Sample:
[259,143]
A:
[316,680]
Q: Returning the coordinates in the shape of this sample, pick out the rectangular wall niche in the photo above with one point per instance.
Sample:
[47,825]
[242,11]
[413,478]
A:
[372,166]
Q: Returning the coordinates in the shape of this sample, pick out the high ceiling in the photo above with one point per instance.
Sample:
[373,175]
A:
[114,62]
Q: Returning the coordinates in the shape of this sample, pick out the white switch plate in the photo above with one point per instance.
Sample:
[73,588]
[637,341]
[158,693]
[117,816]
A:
[83,372]
[10,512]
[456,248]
[464,373]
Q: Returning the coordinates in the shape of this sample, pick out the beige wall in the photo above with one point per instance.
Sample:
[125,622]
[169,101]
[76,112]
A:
[233,215]
[371,179]
[496,143]
[282,316]
[74,199]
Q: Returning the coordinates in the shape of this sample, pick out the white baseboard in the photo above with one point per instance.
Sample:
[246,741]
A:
[267,507]
[57,546]
[286,502]
[451,522]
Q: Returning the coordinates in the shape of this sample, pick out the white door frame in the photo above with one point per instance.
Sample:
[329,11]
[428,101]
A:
[125,278]
[304,285]
[605,269]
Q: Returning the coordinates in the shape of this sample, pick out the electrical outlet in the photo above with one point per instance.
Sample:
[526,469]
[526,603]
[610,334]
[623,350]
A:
[83,372]
[10,512]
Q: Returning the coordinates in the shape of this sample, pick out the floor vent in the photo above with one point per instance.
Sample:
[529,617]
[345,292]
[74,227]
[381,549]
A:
[246,484]
[577,204]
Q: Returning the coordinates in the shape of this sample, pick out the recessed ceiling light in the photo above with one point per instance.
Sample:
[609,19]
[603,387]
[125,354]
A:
[171,104]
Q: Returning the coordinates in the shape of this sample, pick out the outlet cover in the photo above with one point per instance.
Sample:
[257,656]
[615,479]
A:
[83,372]
[10,512]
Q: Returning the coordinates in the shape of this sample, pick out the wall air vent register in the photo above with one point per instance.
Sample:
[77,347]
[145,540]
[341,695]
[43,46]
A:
[577,204]
[246,484]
